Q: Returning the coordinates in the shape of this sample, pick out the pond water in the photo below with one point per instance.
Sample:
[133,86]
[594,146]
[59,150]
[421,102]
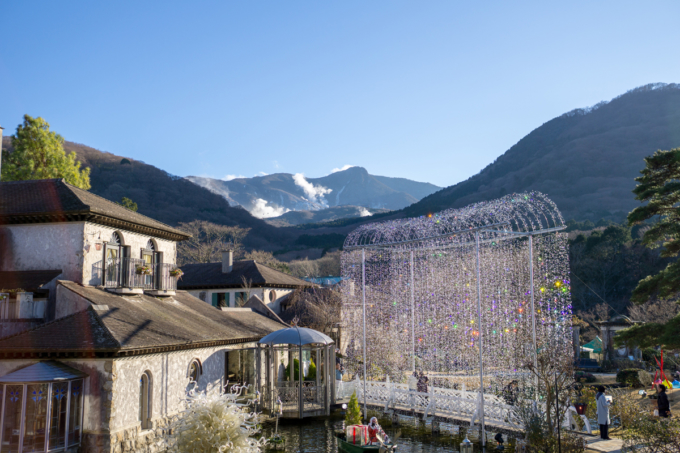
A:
[315,435]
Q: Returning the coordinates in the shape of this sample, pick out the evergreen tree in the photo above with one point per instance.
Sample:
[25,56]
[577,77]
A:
[311,372]
[38,153]
[659,186]
[126,202]
[353,415]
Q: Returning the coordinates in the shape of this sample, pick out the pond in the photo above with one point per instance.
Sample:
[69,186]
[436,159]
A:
[315,435]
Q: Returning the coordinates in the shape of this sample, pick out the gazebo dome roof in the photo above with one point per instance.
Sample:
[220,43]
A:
[298,336]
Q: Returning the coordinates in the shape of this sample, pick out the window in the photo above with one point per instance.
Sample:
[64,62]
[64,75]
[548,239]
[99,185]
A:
[272,295]
[240,299]
[41,416]
[145,400]
[194,370]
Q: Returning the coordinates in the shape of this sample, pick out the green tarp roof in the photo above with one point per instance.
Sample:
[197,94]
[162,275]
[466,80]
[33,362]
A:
[595,345]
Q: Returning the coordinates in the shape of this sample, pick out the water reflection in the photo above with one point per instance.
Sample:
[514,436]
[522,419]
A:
[315,435]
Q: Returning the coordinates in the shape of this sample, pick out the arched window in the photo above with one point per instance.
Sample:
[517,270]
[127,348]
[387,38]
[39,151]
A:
[115,239]
[145,400]
[194,370]
[150,247]
[272,295]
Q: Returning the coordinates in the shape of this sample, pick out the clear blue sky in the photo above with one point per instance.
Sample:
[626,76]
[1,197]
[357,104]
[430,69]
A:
[432,91]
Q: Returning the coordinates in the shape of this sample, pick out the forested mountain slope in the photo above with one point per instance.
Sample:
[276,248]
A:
[585,160]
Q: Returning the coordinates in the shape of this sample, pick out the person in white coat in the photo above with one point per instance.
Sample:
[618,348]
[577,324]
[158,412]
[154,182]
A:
[602,412]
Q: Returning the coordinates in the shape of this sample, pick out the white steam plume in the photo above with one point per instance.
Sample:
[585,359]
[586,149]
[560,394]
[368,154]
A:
[314,193]
[343,168]
[231,177]
[262,211]
[363,212]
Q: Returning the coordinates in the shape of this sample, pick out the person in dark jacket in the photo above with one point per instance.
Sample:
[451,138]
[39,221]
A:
[663,403]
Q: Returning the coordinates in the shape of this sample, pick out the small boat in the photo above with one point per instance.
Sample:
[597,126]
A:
[349,447]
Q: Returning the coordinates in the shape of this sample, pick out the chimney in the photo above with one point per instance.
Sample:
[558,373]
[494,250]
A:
[227,261]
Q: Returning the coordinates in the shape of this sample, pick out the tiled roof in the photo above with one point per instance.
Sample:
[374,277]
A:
[57,201]
[210,275]
[45,371]
[31,281]
[137,323]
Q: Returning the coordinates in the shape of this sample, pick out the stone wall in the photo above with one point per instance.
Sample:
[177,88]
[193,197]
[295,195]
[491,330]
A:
[96,234]
[71,247]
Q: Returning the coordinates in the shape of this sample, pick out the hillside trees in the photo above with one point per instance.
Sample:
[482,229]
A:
[659,186]
[607,264]
[208,241]
[38,153]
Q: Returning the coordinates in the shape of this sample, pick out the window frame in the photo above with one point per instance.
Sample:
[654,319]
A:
[48,422]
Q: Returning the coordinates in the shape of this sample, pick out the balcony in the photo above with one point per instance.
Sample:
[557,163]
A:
[136,276]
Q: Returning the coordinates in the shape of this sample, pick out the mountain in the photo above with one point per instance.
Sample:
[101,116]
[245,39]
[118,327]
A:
[585,160]
[292,218]
[169,199]
[274,195]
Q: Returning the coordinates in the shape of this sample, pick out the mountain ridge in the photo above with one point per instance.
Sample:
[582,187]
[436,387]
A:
[278,193]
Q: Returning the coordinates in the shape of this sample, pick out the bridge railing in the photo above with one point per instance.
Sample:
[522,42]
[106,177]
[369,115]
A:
[460,404]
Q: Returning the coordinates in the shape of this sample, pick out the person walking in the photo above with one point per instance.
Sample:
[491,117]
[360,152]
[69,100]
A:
[662,402]
[603,412]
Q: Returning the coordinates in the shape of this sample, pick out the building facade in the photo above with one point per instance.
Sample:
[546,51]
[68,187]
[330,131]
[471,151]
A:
[107,361]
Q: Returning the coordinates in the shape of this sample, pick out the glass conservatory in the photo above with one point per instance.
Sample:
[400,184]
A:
[42,408]
[300,368]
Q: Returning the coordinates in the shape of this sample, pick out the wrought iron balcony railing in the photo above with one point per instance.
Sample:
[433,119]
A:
[135,273]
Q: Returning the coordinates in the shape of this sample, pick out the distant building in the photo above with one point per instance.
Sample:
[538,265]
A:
[608,331]
[231,283]
[99,347]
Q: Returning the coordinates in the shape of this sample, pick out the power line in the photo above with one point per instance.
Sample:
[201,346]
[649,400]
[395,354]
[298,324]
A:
[594,292]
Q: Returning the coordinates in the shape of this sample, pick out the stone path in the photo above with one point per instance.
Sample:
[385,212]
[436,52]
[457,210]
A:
[604,446]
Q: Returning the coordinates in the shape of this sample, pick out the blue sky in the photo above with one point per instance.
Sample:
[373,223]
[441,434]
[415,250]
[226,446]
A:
[433,91]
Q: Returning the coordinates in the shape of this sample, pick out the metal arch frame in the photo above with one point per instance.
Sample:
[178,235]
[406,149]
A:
[524,210]
[504,234]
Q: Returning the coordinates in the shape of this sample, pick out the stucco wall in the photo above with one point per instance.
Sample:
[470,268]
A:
[262,293]
[169,380]
[69,246]
[44,246]
[98,234]
[69,302]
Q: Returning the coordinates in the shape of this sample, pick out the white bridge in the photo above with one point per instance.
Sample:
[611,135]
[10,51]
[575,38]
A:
[440,402]
[461,405]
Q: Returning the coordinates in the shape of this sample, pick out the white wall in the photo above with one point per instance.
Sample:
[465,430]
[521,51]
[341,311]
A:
[95,233]
[44,246]
[262,293]
[71,247]
[169,381]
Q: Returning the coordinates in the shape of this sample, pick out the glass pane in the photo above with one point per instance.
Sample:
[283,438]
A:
[58,415]
[75,412]
[35,421]
[12,423]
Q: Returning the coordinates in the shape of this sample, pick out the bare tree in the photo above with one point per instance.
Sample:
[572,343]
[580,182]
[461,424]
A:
[660,311]
[317,308]
[247,285]
[208,241]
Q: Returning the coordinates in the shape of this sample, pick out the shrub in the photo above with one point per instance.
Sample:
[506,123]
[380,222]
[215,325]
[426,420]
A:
[645,378]
[311,373]
[629,377]
[583,376]
[647,435]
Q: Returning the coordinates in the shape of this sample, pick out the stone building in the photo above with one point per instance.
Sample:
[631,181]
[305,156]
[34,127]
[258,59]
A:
[106,364]
[232,283]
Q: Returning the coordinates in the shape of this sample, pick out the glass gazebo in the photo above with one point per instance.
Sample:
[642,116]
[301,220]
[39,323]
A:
[299,380]
[42,408]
